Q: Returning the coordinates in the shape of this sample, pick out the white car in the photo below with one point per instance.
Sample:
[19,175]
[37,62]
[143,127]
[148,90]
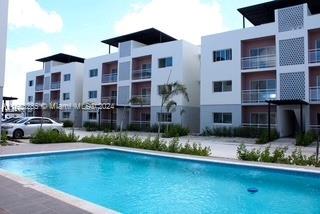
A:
[29,125]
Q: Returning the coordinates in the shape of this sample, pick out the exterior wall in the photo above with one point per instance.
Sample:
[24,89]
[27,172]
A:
[248,77]
[206,115]
[247,45]
[3,40]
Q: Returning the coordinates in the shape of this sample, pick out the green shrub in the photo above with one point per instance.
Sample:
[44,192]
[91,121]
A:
[67,123]
[4,139]
[263,138]
[277,156]
[175,130]
[50,136]
[91,126]
[305,139]
[247,132]
[151,144]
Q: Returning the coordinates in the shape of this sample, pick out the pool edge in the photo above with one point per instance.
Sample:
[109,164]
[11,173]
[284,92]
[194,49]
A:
[57,194]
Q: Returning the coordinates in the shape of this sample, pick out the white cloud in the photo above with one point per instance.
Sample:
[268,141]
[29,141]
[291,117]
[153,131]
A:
[28,13]
[183,19]
[20,61]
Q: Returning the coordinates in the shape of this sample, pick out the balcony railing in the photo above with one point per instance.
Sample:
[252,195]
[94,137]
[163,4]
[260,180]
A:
[314,56]
[107,78]
[109,99]
[258,62]
[259,125]
[258,96]
[55,85]
[56,100]
[141,74]
[141,100]
[38,101]
[314,94]
[141,124]
[39,87]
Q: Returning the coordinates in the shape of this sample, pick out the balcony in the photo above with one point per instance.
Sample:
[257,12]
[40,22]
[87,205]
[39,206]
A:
[314,56]
[55,85]
[258,62]
[109,99]
[258,96]
[39,87]
[141,124]
[39,101]
[56,100]
[314,94]
[141,100]
[109,78]
[141,74]
[259,125]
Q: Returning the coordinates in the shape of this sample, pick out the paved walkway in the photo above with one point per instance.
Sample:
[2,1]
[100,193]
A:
[16,198]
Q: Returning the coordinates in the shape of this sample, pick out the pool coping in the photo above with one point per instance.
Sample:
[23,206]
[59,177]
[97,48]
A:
[95,208]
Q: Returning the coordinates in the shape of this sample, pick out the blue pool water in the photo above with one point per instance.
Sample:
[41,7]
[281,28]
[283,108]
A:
[134,183]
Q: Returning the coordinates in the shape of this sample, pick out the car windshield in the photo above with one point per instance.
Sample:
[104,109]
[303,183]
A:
[22,120]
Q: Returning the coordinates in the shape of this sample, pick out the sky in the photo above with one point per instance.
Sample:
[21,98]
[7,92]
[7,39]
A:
[40,28]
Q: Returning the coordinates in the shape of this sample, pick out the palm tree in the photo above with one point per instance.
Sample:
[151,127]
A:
[168,91]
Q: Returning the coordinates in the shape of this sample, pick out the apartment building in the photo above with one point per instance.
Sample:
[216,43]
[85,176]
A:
[265,74]
[145,61]
[56,90]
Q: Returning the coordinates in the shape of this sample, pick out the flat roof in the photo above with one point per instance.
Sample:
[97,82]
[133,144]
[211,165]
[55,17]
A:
[61,57]
[9,98]
[287,102]
[264,13]
[148,37]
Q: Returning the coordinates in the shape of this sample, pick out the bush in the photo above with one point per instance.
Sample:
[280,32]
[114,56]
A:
[277,156]
[305,139]
[67,123]
[263,138]
[175,130]
[4,139]
[247,132]
[151,144]
[50,136]
[91,126]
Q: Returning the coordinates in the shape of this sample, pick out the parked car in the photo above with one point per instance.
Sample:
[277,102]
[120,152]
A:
[29,125]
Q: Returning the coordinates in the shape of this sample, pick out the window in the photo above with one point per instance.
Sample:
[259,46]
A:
[222,86]
[66,96]
[46,121]
[65,115]
[92,115]
[262,118]
[219,117]
[318,44]
[35,121]
[165,117]
[222,55]
[93,72]
[263,84]
[93,94]
[66,77]
[318,81]
[30,98]
[165,62]
[164,89]
[30,83]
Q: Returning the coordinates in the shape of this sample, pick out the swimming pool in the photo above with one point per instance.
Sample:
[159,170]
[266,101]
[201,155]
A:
[138,183]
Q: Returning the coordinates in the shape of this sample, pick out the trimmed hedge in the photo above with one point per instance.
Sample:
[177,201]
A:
[151,144]
[50,136]
[67,123]
[305,139]
[175,130]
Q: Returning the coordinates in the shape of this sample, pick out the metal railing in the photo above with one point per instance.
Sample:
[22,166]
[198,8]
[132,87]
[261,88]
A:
[107,78]
[141,124]
[143,99]
[109,99]
[314,56]
[39,87]
[314,94]
[259,125]
[38,101]
[258,96]
[257,62]
[314,127]
[55,85]
[141,74]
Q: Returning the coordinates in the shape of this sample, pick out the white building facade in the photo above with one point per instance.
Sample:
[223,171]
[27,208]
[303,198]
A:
[145,61]
[276,60]
[56,90]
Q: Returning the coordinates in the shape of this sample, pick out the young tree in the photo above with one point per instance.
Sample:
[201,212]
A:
[167,92]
